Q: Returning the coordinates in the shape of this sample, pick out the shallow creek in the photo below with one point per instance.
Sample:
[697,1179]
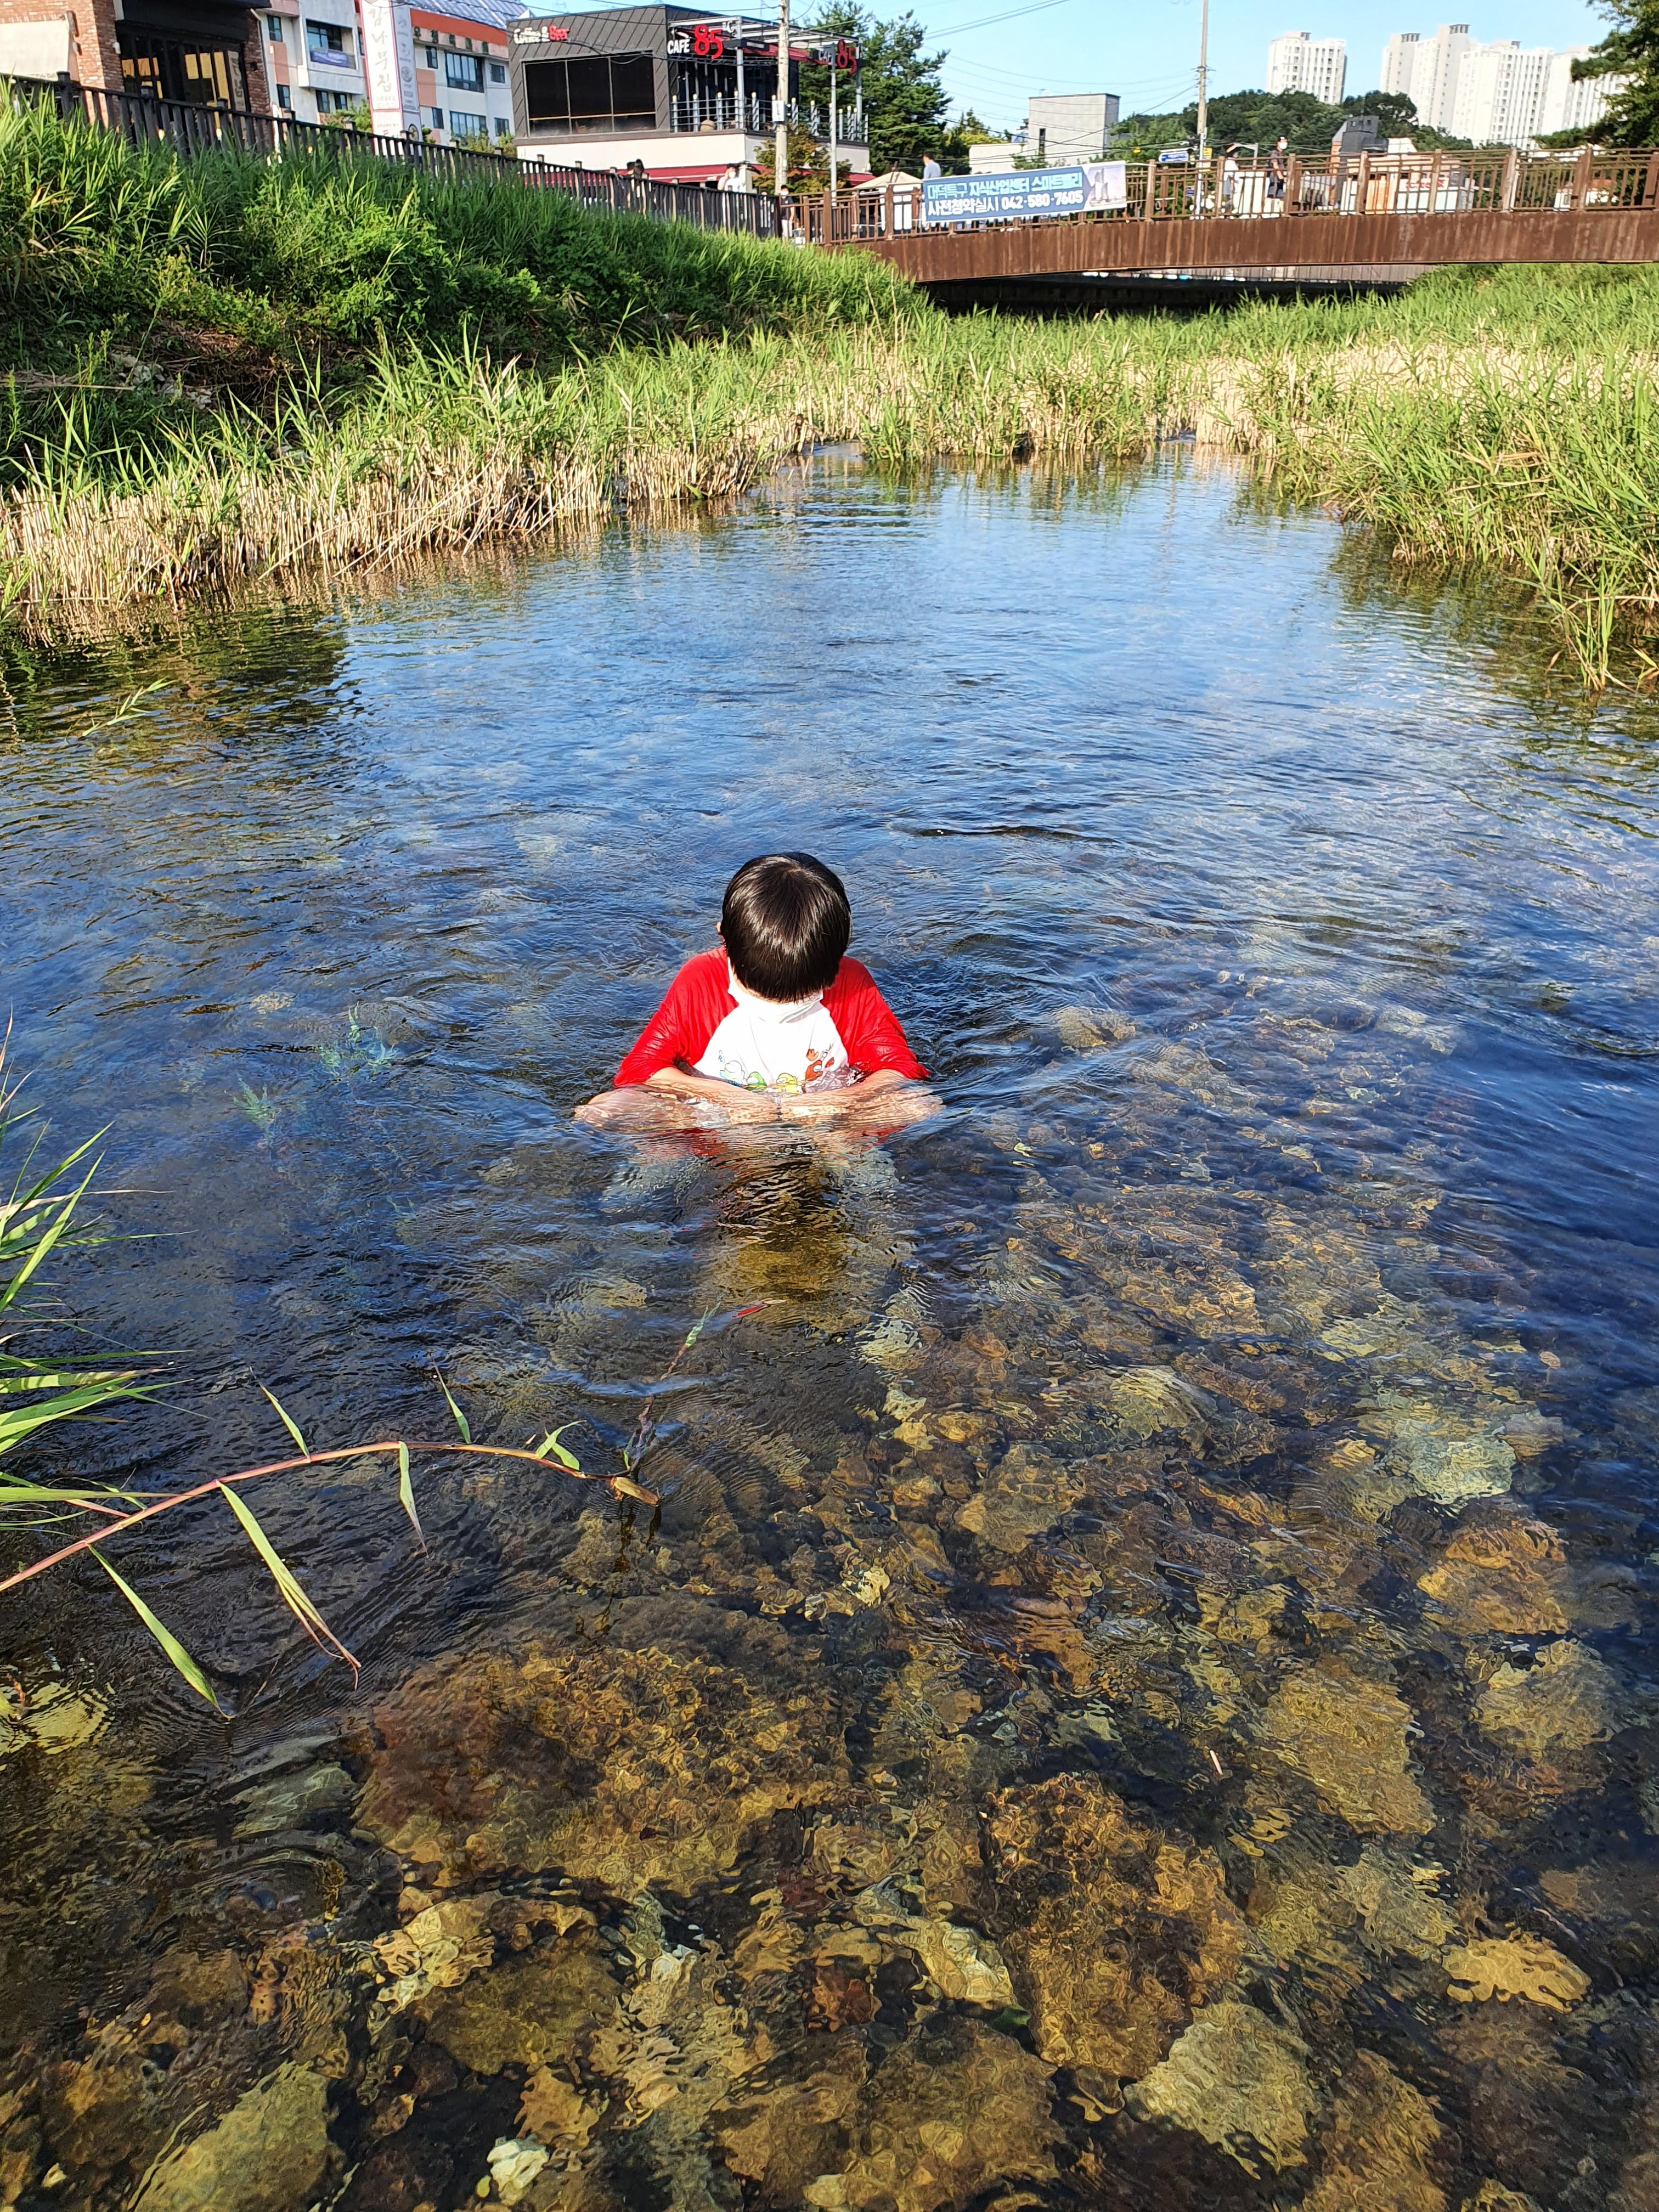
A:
[1140,1691]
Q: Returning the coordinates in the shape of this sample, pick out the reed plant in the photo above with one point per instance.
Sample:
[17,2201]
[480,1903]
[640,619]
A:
[42,1218]
[231,371]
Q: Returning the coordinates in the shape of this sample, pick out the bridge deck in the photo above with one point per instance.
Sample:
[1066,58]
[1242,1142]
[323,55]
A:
[1328,243]
[1365,213]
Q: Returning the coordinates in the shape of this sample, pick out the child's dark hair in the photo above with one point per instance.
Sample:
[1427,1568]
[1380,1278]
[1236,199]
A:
[786,923]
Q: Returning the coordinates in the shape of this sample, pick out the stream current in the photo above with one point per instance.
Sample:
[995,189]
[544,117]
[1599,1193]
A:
[1139,1688]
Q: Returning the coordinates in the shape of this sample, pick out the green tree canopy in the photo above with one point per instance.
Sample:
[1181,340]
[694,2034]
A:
[904,98]
[1630,50]
[1262,118]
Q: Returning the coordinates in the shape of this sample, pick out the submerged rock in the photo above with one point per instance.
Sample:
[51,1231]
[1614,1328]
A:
[1086,1028]
[1566,1700]
[1237,2080]
[1346,1736]
[1029,1491]
[1501,1573]
[624,1767]
[271,2153]
[528,2011]
[1396,1904]
[1116,1930]
[1515,1966]
[1380,2151]
[961,1963]
[951,2114]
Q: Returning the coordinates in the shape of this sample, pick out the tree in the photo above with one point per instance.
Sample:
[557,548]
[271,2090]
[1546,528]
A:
[904,100]
[1262,118]
[1631,51]
[808,170]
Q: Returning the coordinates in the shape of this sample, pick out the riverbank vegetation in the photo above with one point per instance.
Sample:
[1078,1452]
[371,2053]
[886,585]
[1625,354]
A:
[234,372]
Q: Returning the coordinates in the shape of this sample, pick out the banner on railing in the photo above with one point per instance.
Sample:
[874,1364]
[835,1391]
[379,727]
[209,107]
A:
[1012,195]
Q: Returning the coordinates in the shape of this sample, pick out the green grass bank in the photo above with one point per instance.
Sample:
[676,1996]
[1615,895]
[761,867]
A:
[228,371]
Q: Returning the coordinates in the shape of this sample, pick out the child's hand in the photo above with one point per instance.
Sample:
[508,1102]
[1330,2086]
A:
[744,1105]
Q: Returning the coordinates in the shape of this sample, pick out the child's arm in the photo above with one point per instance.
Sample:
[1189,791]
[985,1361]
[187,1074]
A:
[735,1102]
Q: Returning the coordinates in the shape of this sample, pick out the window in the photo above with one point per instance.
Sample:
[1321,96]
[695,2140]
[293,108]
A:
[430,57]
[334,103]
[463,126]
[274,29]
[498,73]
[436,116]
[608,93]
[328,43]
[175,68]
[503,126]
[284,98]
[464,70]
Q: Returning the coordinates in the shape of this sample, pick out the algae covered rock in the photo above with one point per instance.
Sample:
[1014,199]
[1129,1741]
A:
[271,2153]
[528,2011]
[1238,2080]
[1515,1966]
[1502,1573]
[948,2116]
[1397,1905]
[1565,1700]
[627,1768]
[1028,1493]
[1346,1736]
[1383,2147]
[1116,1930]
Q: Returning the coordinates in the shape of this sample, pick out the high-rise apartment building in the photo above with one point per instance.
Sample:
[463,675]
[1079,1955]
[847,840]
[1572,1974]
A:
[1501,94]
[1569,106]
[1298,62]
[1426,70]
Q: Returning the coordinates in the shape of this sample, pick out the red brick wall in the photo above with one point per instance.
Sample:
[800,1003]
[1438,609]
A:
[93,58]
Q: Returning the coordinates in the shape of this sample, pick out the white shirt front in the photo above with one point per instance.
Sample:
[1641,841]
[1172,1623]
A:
[763,1046]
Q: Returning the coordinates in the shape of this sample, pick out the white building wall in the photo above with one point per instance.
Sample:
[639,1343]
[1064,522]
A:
[1500,93]
[1298,62]
[1399,62]
[1073,126]
[1569,106]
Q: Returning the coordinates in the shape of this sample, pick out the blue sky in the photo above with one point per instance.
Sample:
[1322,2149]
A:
[1148,54]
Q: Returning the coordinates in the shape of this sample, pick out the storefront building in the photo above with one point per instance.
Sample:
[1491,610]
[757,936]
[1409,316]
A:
[689,96]
[210,53]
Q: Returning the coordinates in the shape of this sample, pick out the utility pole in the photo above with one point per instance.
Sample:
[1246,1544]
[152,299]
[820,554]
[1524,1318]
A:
[835,55]
[1203,90]
[780,107]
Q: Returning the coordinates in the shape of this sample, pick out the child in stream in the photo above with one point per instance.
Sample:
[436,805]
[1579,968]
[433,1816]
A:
[775,1025]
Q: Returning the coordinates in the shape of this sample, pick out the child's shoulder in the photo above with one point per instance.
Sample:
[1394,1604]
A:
[851,975]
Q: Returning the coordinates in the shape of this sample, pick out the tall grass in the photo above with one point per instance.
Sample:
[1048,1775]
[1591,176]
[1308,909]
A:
[236,370]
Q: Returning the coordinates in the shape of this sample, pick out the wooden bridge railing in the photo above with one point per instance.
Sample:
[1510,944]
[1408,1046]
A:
[1498,180]
[194,128]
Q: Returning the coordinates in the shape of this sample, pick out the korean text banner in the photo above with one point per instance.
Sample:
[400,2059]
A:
[1007,195]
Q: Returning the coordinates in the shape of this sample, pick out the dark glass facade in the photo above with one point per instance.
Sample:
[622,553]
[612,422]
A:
[594,93]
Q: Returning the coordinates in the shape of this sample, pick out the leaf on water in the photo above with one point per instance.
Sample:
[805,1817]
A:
[289,1425]
[163,1635]
[623,1488]
[460,1417]
[550,1442]
[292,1595]
[406,1494]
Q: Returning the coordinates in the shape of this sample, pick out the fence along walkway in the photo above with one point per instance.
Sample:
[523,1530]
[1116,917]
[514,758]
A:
[193,130]
[1500,182]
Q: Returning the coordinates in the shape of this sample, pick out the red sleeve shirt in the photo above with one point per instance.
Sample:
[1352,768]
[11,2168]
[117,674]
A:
[698,1002]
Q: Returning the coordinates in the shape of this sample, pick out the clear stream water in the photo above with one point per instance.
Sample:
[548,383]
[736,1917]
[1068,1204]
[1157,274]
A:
[1139,1690]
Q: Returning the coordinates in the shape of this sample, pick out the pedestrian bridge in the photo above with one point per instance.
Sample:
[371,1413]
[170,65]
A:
[1364,219]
